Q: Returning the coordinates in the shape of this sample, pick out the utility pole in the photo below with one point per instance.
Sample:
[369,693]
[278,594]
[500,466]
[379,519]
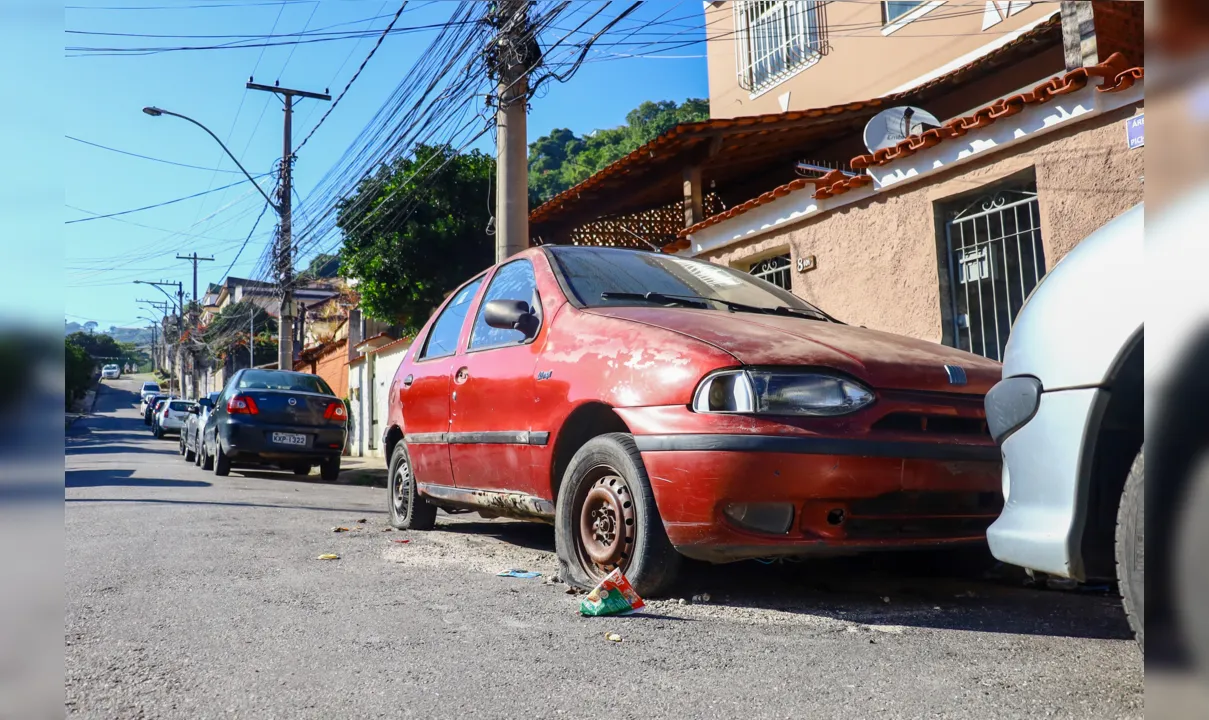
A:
[195,260]
[285,259]
[513,60]
[194,312]
[162,307]
[252,337]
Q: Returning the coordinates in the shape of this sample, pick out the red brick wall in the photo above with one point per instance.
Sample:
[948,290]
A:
[333,368]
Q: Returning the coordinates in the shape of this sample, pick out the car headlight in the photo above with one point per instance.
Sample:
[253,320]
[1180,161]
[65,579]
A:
[780,392]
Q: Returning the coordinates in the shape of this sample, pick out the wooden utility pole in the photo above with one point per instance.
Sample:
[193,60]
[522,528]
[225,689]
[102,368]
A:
[513,60]
[285,250]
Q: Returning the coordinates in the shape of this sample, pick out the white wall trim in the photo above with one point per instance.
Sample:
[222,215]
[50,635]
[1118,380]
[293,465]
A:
[898,24]
[970,56]
[1034,121]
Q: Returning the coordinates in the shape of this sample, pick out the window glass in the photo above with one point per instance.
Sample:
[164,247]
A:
[774,270]
[443,339]
[591,271]
[513,281]
[283,380]
[777,38]
[179,406]
[894,9]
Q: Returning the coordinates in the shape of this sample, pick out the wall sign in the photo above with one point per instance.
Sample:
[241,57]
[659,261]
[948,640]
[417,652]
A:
[1135,132]
[805,263]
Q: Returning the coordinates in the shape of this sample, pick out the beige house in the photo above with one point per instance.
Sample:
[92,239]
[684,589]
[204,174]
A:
[941,230]
[767,57]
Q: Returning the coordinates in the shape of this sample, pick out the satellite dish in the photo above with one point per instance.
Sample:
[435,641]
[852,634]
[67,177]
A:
[890,127]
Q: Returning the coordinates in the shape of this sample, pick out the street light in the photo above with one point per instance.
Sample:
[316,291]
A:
[156,112]
[168,295]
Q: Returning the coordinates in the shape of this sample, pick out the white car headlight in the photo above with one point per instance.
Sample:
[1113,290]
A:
[772,391]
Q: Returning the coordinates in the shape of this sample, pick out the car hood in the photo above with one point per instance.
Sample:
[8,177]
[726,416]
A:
[882,359]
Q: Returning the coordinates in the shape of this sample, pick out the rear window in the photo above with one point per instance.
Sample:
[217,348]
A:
[178,406]
[282,380]
[150,386]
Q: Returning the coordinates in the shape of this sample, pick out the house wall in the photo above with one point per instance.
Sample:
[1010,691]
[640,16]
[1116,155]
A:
[863,62]
[879,261]
[372,377]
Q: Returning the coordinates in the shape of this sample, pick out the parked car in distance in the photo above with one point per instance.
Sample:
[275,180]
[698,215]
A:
[653,407]
[149,390]
[111,372]
[149,407]
[1069,417]
[280,418]
[171,416]
[191,434]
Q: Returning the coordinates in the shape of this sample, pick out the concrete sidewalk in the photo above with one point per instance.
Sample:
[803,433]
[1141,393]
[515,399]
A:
[365,471]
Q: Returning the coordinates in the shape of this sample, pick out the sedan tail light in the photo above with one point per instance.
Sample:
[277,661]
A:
[242,405]
[335,412]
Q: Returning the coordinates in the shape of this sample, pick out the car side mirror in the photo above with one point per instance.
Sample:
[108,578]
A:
[204,403]
[512,315]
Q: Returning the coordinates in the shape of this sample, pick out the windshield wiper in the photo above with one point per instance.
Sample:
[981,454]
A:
[702,302]
[685,300]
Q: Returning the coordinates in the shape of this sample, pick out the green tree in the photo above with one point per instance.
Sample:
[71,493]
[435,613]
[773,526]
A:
[78,367]
[416,230]
[561,159]
[102,347]
[227,334]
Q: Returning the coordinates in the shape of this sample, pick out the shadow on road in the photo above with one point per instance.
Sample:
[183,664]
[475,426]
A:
[535,536]
[164,501]
[122,478]
[905,591]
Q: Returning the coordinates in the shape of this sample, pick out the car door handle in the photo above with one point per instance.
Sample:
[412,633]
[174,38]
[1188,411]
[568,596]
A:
[407,381]
[462,376]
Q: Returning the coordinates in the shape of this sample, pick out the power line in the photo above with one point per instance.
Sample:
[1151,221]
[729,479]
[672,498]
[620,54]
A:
[148,157]
[166,202]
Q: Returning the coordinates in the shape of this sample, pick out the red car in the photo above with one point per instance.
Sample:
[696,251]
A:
[653,407]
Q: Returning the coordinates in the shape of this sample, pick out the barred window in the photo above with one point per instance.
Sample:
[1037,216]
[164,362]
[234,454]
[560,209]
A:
[774,269]
[775,39]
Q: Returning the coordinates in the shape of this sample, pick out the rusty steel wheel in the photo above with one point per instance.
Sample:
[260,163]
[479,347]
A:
[605,540]
[409,510]
[605,517]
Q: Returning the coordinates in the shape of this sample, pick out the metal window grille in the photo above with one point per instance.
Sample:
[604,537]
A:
[995,260]
[774,270]
[775,39]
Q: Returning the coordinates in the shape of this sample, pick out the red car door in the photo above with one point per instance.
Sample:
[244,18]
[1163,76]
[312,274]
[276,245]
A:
[491,434]
[424,391]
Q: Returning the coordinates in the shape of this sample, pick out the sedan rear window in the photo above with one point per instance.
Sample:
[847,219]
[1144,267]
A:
[282,380]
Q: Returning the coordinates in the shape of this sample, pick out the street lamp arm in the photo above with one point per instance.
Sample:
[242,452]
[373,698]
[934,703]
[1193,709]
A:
[168,295]
[156,112]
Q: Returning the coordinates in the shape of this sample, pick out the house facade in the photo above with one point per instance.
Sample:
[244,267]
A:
[939,231]
[767,57]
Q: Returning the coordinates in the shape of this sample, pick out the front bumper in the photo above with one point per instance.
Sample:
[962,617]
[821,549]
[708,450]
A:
[847,495]
[1041,521]
[252,442]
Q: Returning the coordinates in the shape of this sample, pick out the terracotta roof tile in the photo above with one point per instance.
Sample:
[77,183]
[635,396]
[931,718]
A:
[1116,75]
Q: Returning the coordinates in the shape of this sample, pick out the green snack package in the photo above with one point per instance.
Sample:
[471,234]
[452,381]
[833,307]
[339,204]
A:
[613,596]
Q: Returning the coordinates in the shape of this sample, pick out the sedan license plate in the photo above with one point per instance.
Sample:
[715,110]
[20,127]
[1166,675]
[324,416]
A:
[289,438]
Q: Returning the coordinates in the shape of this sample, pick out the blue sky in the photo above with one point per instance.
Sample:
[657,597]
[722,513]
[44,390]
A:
[103,256]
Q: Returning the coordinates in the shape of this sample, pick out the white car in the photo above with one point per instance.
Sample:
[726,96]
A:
[172,417]
[111,372]
[1068,416]
[150,390]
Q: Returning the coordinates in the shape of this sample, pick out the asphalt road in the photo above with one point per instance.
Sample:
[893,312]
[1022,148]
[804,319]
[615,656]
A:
[194,596]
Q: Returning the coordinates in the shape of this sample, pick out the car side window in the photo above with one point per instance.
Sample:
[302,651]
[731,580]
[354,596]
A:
[443,339]
[514,281]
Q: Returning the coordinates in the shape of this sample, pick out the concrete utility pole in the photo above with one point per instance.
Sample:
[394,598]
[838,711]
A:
[195,313]
[285,258]
[512,152]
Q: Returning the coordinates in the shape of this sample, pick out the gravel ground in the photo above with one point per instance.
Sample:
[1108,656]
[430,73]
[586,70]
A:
[194,596]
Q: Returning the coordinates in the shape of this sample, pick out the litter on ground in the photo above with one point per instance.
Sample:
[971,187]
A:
[613,596]
[524,574]
[328,556]
[612,637]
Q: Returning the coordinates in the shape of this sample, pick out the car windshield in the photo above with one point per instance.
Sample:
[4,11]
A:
[607,276]
[282,380]
[150,386]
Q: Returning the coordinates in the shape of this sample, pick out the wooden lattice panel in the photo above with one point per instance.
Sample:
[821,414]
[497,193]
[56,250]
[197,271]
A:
[657,226]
